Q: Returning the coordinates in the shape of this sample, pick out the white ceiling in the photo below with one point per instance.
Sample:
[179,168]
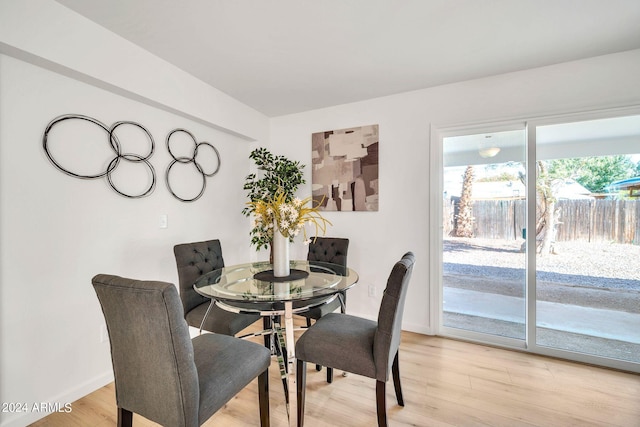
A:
[288,56]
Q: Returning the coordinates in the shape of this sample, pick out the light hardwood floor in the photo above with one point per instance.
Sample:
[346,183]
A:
[445,383]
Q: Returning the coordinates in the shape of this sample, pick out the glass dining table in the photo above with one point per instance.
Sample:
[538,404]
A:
[253,289]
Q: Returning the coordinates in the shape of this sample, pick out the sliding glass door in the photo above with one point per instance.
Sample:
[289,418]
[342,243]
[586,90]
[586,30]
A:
[483,257]
[588,238]
[540,236]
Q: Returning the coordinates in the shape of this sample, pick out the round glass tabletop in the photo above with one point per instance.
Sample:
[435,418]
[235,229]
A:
[254,282]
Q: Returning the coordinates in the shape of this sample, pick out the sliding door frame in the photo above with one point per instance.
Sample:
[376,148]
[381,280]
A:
[530,125]
[438,134]
[532,345]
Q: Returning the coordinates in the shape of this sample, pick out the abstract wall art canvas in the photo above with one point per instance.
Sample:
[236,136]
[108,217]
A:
[345,169]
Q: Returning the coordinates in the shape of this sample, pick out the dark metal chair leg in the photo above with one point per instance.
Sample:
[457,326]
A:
[125,418]
[395,369]
[381,403]
[301,379]
[263,398]
[329,375]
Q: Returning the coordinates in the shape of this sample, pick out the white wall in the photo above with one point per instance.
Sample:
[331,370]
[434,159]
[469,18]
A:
[57,232]
[46,33]
[378,239]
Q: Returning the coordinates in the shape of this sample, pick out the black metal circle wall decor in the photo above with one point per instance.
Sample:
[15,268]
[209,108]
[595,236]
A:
[192,159]
[115,146]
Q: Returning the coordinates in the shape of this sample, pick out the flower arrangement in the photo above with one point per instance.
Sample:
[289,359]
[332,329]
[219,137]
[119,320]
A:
[274,173]
[289,217]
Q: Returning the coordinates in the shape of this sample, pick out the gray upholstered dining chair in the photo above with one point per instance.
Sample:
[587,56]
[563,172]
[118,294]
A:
[193,260]
[358,345]
[332,250]
[160,373]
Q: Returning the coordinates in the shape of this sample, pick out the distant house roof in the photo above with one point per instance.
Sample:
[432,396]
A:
[632,185]
[562,189]
[498,190]
[624,183]
[571,190]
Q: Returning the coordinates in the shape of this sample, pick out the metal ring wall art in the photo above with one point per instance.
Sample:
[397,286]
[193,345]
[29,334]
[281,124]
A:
[186,160]
[115,145]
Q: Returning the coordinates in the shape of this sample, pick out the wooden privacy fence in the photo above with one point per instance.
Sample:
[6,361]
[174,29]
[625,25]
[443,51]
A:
[584,219]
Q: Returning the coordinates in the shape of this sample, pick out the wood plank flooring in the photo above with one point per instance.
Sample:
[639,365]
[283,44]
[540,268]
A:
[445,383]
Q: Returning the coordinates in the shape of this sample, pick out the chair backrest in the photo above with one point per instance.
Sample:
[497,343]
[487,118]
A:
[328,249]
[387,337]
[194,260]
[151,351]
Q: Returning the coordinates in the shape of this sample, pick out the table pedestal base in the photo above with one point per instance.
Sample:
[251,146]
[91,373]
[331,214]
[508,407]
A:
[291,363]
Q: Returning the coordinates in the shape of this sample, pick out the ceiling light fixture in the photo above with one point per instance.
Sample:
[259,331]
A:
[489,152]
[485,150]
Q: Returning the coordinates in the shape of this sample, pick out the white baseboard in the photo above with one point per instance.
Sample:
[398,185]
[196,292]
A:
[22,419]
[417,328]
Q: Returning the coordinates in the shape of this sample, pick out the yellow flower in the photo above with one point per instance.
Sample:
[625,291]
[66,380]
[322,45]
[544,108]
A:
[290,217]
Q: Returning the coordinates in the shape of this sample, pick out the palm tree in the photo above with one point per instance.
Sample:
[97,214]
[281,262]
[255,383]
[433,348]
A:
[465,219]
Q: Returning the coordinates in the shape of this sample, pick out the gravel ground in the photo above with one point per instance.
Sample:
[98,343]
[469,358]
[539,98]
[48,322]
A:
[596,275]
[592,265]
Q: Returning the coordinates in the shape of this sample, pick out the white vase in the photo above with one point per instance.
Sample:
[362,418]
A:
[282,289]
[280,253]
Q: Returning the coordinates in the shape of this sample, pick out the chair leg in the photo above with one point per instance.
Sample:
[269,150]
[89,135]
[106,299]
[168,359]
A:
[318,368]
[381,403]
[263,397]
[125,418]
[329,375]
[395,369]
[301,379]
